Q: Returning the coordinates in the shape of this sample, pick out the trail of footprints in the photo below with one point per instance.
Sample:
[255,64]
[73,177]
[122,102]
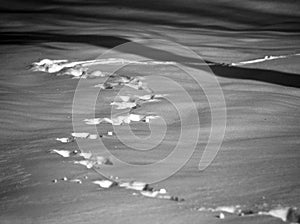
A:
[90,161]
